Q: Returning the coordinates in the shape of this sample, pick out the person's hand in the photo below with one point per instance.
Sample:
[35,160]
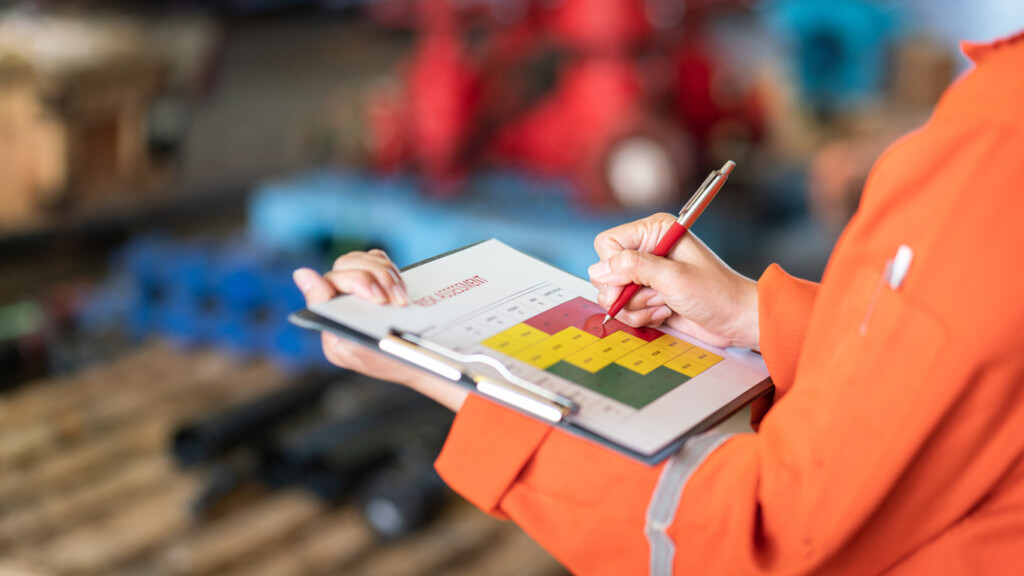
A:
[691,290]
[373,277]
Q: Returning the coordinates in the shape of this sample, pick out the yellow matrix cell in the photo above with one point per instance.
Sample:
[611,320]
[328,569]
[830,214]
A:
[685,365]
[556,347]
[655,353]
[515,339]
[588,360]
[625,341]
[576,337]
[606,349]
[702,356]
[538,356]
[672,343]
[637,363]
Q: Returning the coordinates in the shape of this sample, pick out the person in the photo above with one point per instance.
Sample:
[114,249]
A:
[895,443]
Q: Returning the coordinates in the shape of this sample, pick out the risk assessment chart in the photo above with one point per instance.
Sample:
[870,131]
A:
[557,333]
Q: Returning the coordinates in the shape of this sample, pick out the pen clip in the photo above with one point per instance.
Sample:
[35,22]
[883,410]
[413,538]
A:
[700,189]
[900,265]
[893,274]
[704,194]
[452,365]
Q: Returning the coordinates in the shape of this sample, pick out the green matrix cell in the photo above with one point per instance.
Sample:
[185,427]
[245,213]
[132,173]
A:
[622,384]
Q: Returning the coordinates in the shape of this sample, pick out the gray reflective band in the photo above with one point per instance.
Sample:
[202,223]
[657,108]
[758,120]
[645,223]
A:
[662,510]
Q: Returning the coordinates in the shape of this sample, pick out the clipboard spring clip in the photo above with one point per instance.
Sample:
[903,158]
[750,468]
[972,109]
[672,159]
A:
[508,388]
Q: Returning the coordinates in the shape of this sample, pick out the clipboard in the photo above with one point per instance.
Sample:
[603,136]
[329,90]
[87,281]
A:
[465,307]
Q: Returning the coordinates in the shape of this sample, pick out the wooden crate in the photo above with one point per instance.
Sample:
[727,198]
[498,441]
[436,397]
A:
[78,138]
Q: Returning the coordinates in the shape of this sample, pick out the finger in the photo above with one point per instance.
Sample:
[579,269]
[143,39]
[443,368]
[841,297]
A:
[393,270]
[397,289]
[362,283]
[643,297]
[375,364]
[642,235]
[650,316]
[372,276]
[608,296]
[601,273]
[691,249]
[313,287]
[656,299]
[628,236]
[645,269]
[363,261]
[661,314]
[346,354]
[336,351]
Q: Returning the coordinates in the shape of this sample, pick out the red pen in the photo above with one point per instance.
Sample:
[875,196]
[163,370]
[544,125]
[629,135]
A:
[687,216]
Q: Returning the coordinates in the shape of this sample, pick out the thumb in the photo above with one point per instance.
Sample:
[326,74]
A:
[313,286]
[642,268]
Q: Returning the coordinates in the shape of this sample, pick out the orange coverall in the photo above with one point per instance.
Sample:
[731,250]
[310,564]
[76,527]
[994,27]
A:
[896,441]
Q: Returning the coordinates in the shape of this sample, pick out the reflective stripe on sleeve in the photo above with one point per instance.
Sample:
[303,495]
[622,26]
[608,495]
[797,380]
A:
[661,512]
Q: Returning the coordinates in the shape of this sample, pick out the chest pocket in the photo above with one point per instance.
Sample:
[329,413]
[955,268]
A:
[885,355]
[856,396]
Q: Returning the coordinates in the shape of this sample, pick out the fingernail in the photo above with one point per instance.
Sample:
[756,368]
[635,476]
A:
[302,280]
[661,314]
[378,294]
[600,270]
[398,295]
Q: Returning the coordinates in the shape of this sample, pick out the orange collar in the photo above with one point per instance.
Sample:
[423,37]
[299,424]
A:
[979,51]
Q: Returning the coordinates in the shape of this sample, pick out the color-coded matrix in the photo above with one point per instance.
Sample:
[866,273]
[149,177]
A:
[632,365]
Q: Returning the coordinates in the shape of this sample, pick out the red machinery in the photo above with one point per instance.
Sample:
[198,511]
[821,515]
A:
[627,115]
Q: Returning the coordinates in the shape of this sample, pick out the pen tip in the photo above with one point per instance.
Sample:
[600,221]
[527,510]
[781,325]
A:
[606,319]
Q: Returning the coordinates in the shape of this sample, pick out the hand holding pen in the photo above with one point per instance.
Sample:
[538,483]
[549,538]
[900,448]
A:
[687,216]
[686,287]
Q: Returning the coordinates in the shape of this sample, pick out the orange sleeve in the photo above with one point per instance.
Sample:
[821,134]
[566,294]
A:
[571,495]
[487,448]
[784,311]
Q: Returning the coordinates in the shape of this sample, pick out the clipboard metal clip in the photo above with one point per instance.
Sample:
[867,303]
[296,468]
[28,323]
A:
[509,388]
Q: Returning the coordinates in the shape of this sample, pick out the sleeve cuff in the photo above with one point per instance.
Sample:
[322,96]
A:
[486,450]
[784,310]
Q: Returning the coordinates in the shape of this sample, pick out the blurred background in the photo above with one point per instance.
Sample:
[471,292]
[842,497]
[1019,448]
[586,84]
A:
[165,165]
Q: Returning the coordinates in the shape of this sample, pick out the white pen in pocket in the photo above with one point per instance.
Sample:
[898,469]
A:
[894,273]
[900,264]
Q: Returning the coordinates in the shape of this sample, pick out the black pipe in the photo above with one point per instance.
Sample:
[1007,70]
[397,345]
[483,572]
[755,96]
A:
[216,434]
